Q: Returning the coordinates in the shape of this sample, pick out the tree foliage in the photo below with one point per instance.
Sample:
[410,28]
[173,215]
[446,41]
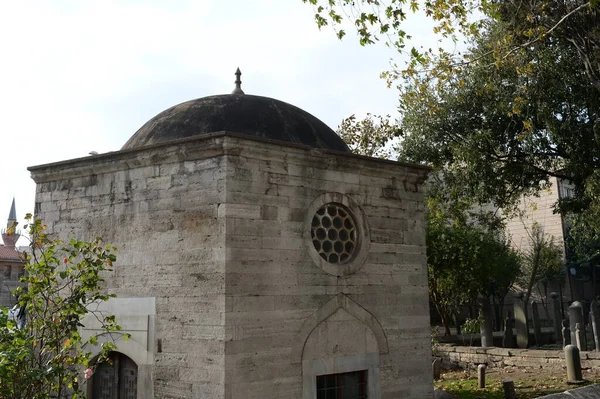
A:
[529,22]
[520,104]
[502,131]
[466,261]
[583,239]
[42,353]
[542,262]
[373,136]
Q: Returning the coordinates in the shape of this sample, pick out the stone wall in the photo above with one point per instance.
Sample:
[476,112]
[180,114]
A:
[273,286]
[470,357]
[217,230]
[160,208]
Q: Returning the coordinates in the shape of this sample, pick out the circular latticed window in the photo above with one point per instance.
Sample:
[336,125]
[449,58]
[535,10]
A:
[334,233]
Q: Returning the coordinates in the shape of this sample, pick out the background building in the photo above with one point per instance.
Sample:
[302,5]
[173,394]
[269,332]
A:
[11,263]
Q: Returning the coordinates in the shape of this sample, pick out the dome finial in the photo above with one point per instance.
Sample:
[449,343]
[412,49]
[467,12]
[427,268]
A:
[238,83]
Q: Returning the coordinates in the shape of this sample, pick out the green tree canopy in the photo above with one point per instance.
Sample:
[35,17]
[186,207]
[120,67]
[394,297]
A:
[528,22]
[519,105]
[465,261]
[498,131]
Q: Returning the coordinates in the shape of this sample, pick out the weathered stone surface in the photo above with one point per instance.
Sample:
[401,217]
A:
[468,357]
[215,230]
[589,392]
[573,362]
[575,317]
[521,325]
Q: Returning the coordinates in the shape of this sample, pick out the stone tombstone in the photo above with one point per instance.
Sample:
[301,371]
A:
[508,387]
[537,328]
[558,317]
[486,326]
[578,336]
[508,338]
[456,323]
[521,322]
[437,368]
[595,321]
[573,360]
[481,376]
[575,316]
[566,333]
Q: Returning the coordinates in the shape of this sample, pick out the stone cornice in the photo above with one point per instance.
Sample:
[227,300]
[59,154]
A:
[207,146]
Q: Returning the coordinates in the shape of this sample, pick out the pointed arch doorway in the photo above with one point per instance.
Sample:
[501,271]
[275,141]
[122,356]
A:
[115,379]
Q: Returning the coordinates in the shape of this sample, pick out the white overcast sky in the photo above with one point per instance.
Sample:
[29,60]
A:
[77,76]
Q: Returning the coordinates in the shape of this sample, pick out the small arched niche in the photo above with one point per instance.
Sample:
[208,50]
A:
[340,352]
[114,378]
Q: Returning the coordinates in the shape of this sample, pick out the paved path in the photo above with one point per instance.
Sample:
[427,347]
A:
[589,392]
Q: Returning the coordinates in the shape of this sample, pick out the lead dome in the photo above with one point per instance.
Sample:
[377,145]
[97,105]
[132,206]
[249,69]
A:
[256,116]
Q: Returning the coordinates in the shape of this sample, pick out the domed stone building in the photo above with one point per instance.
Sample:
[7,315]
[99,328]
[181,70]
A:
[258,257]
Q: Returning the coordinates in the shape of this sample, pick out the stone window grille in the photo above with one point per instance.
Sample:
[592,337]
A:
[334,233]
[337,234]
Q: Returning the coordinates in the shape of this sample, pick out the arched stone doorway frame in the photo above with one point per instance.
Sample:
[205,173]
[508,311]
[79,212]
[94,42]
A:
[142,358]
[340,301]
[367,361]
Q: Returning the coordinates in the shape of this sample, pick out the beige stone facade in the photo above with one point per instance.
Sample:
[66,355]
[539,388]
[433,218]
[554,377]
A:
[539,209]
[216,253]
[11,270]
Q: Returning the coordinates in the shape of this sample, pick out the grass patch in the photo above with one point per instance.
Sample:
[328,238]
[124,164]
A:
[463,384]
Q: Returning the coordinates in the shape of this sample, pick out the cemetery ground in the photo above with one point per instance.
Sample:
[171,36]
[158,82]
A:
[529,383]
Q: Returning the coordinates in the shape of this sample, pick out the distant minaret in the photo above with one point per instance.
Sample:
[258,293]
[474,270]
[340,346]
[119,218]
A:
[11,235]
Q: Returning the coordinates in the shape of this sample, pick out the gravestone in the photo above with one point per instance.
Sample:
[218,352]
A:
[537,328]
[521,322]
[566,333]
[575,316]
[485,327]
[595,320]
[481,376]
[508,339]
[437,368]
[509,389]
[558,317]
[573,363]
[456,323]
[579,333]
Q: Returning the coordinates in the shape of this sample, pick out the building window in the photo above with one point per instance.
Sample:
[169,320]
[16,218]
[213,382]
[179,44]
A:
[351,385]
[337,234]
[333,231]
[568,192]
